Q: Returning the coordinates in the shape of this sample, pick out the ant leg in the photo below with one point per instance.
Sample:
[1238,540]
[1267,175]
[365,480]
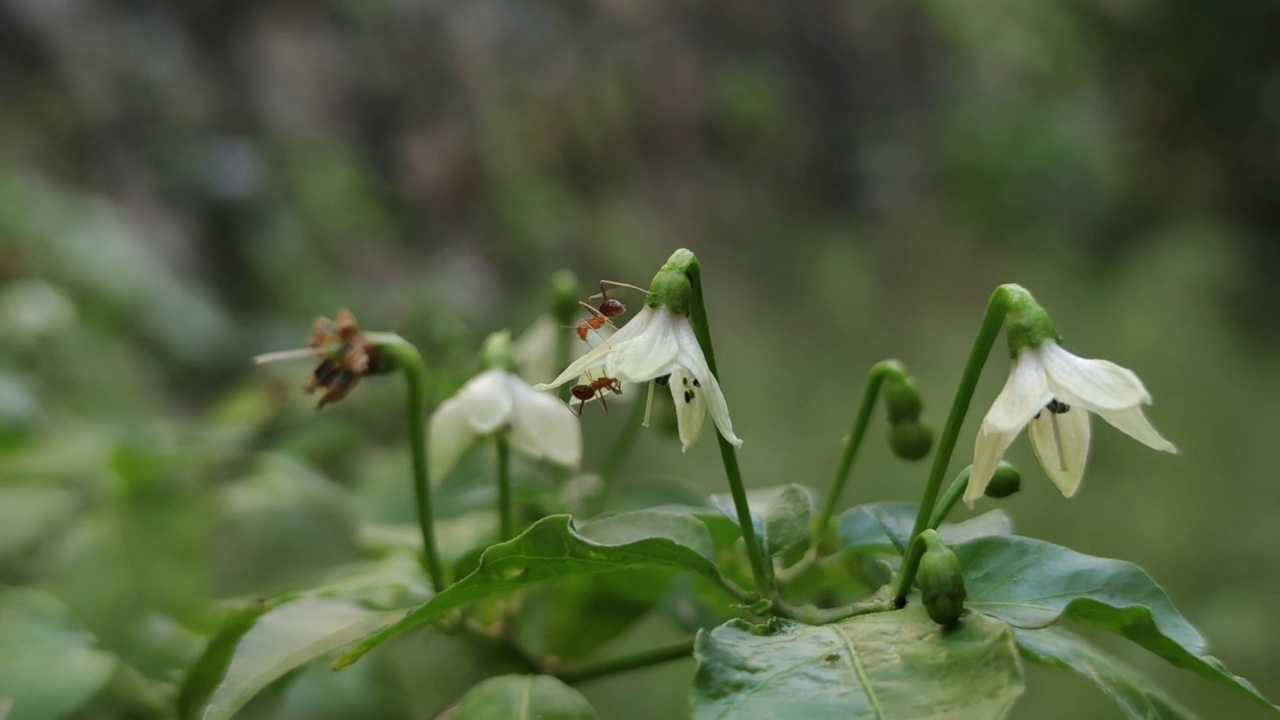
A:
[603,405]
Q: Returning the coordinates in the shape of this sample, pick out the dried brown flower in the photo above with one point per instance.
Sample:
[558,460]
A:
[345,355]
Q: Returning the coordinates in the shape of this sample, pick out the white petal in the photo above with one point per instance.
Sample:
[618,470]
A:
[1094,384]
[488,400]
[691,406]
[543,426]
[1025,393]
[691,357]
[647,355]
[449,435]
[535,350]
[1134,423]
[598,355]
[1062,452]
[987,451]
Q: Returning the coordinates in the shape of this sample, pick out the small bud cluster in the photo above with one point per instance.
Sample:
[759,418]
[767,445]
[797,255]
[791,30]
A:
[909,437]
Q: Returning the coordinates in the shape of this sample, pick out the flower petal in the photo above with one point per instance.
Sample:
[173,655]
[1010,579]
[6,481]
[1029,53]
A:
[1064,450]
[488,400]
[644,356]
[449,435]
[597,356]
[1025,393]
[542,426]
[534,351]
[987,451]
[691,406]
[1132,422]
[692,359]
[1093,384]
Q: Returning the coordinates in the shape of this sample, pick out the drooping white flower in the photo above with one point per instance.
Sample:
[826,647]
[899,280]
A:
[535,423]
[659,343]
[1053,392]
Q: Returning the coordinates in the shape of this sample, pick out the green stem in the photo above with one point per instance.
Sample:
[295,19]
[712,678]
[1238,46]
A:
[818,616]
[506,506]
[728,455]
[634,661]
[997,308]
[860,422]
[404,357]
[954,493]
[624,442]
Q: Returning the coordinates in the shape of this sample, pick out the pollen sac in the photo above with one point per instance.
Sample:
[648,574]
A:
[941,581]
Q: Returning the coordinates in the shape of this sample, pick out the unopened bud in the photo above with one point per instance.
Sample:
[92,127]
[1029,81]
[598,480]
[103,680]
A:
[902,399]
[940,580]
[910,439]
[564,296]
[496,353]
[1005,482]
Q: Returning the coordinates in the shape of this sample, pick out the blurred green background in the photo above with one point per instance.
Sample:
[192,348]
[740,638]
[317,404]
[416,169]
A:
[183,185]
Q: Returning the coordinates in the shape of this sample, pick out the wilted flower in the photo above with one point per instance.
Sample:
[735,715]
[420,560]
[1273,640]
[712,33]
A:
[1053,392]
[343,355]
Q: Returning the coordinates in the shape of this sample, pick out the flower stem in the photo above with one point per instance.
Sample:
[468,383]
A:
[634,661]
[860,422]
[997,308]
[623,444]
[954,493]
[405,357]
[506,507]
[728,456]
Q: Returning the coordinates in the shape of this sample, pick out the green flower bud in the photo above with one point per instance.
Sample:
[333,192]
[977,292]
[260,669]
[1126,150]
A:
[910,440]
[564,297]
[496,353]
[1005,482]
[940,580]
[902,398]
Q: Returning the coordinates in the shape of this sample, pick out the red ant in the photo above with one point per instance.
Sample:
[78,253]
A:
[609,308]
[597,387]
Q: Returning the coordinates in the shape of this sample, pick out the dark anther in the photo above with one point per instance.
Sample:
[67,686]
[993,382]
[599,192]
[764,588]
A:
[688,396]
[1057,407]
[663,380]
[696,383]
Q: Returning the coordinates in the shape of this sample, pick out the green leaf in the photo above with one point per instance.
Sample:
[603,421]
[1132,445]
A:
[630,527]
[205,675]
[554,548]
[780,516]
[886,527]
[886,665]
[29,512]
[1056,647]
[523,696]
[51,666]
[1033,584]
[282,639]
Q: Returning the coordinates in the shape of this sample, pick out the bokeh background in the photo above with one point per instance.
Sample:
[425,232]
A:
[183,185]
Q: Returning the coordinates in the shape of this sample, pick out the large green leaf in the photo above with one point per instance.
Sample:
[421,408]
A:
[1032,584]
[780,516]
[207,672]
[886,527]
[1056,647]
[554,548]
[888,666]
[282,639]
[522,696]
[50,666]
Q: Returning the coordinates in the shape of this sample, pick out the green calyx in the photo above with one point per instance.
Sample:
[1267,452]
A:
[496,353]
[1027,325]
[672,287]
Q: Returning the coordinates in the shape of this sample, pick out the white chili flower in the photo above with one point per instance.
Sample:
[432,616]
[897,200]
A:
[535,423]
[658,344]
[1053,392]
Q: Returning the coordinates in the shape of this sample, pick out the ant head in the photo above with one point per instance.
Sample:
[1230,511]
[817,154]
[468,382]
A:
[582,392]
[612,308]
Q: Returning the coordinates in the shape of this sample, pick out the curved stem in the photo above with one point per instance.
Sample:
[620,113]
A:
[760,571]
[860,422]
[954,493]
[404,357]
[506,507]
[997,308]
[820,616]
[634,661]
